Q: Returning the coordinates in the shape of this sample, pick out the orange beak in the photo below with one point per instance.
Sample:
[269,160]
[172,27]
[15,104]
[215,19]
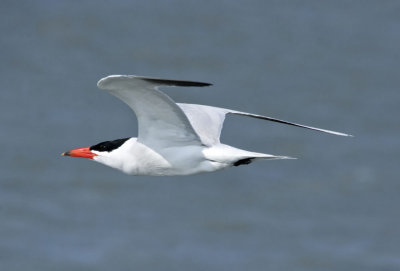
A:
[80,152]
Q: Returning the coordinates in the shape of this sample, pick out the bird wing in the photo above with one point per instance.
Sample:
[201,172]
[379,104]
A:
[207,121]
[161,122]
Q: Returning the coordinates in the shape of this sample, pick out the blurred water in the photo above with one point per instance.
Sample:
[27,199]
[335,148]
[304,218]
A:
[331,64]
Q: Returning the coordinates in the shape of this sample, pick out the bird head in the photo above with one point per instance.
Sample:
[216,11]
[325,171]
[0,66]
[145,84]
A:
[104,152]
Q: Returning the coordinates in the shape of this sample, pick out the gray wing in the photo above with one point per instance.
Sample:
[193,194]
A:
[161,122]
[207,121]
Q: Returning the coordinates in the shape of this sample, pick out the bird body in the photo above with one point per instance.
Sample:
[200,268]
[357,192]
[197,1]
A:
[174,138]
[135,158]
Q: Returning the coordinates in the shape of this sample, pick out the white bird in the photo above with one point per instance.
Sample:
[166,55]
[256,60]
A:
[174,138]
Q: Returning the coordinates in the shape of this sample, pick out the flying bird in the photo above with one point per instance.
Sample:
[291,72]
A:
[173,138]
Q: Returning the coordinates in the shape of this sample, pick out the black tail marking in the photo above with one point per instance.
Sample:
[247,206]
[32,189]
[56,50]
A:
[244,161]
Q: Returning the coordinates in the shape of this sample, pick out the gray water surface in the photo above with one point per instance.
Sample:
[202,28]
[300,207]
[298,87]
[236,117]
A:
[330,64]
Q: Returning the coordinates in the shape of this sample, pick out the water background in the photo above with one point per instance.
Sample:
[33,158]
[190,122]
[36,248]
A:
[330,64]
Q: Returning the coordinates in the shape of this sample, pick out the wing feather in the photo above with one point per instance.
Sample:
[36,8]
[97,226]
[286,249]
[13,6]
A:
[208,121]
[161,122]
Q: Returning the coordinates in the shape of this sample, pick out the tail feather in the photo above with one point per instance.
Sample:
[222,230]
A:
[248,160]
[233,156]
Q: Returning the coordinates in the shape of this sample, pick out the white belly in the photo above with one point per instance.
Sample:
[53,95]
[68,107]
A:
[185,160]
[135,158]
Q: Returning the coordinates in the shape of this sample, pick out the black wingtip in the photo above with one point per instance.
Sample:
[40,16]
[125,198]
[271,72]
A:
[180,83]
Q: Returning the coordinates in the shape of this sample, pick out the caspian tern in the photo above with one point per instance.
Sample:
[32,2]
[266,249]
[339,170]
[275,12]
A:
[174,138]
